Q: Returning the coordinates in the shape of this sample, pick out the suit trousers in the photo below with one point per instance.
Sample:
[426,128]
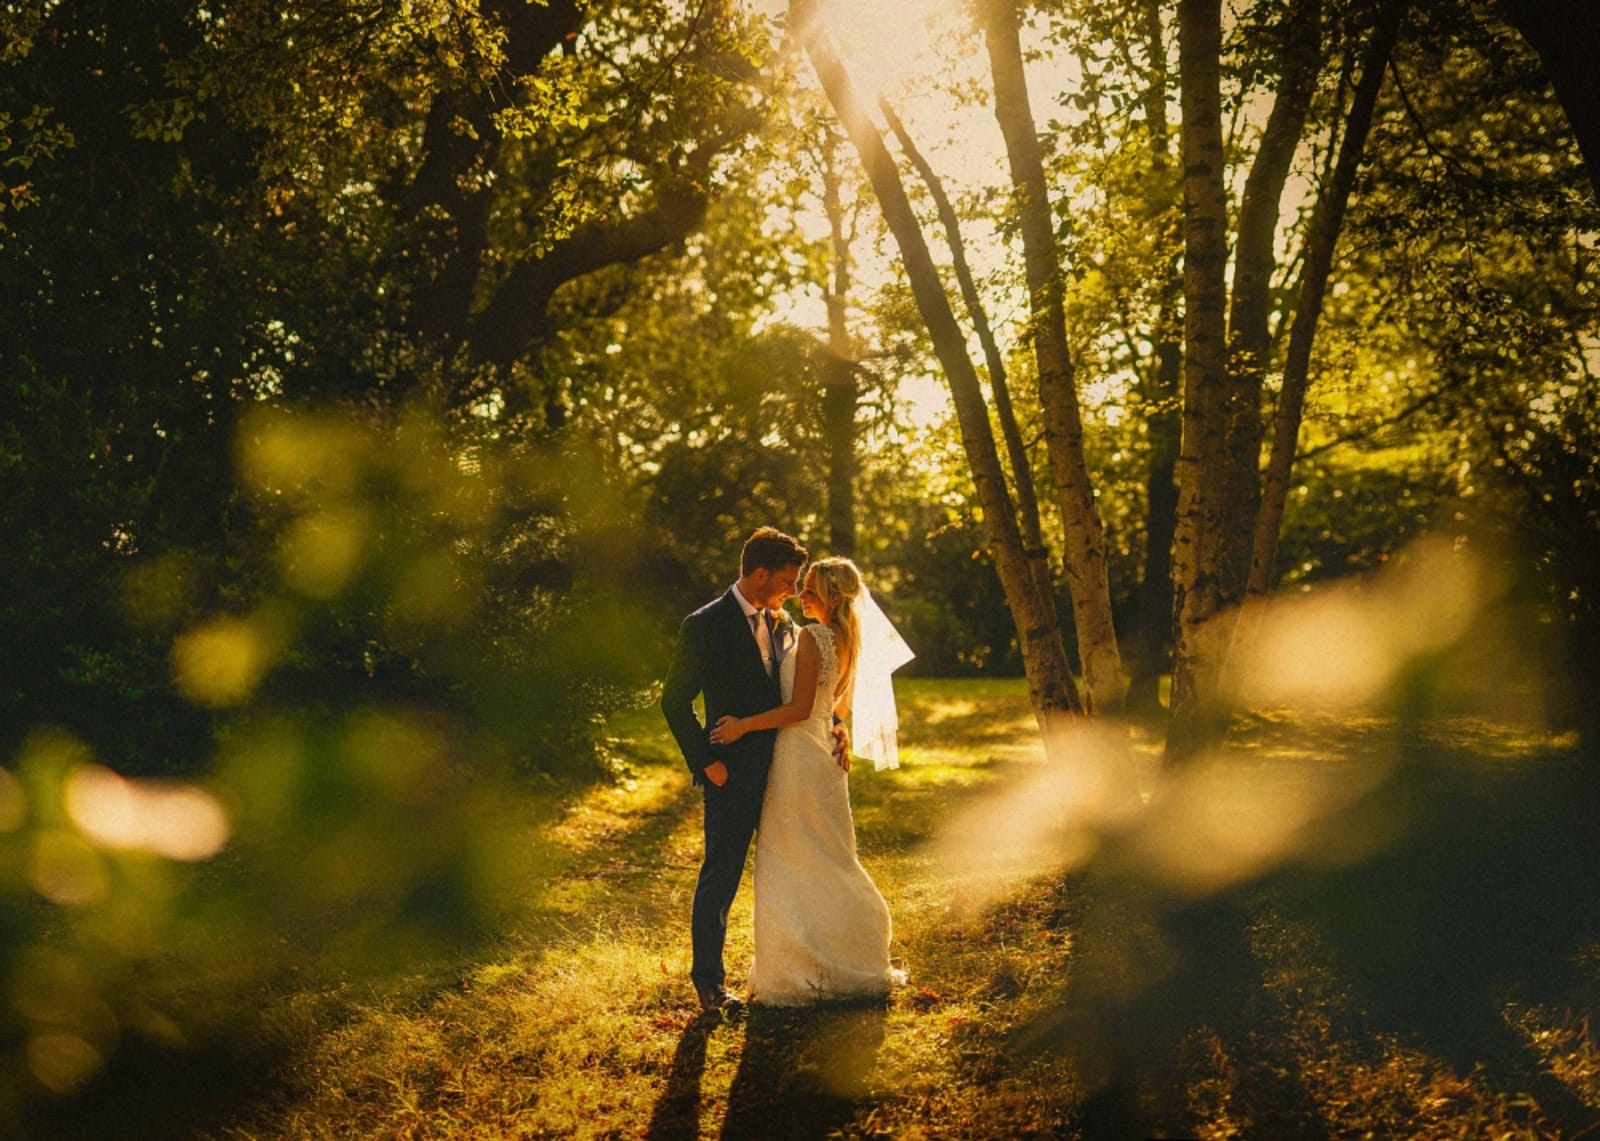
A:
[731,816]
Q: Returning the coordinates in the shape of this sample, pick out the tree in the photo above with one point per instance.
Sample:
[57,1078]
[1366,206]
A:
[1198,567]
[1085,548]
[1566,37]
[1225,524]
[1052,689]
[1325,227]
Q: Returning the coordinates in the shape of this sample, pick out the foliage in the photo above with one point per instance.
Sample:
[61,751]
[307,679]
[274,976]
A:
[283,581]
[1469,306]
[408,642]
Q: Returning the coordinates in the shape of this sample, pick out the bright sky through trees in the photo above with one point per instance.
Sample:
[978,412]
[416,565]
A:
[917,54]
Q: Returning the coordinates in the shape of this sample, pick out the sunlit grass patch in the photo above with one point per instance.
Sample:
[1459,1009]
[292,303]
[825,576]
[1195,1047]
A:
[1565,1043]
[553,1043]
[961,721]
[599,817]
[951,1065]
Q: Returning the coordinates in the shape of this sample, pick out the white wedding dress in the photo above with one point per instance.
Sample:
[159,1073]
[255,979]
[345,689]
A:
[822,928]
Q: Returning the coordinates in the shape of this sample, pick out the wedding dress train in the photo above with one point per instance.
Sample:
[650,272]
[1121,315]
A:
[822,929]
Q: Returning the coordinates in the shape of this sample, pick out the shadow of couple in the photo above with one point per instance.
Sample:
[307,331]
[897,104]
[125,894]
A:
[803,1073]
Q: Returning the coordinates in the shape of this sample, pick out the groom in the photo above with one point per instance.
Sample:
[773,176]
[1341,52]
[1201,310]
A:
[729,651]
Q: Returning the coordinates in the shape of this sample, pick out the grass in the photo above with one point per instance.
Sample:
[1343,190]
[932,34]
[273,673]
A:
[1418,956]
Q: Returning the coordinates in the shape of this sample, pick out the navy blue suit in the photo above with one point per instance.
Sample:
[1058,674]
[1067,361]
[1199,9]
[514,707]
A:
[717,656]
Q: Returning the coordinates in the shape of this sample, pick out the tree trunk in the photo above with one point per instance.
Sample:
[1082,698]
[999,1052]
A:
[839,383]
[1202,462]
[1050,683]
[1327,220]
[1010,431]
[1084,554]
[1567,37]
[1159,394]
[1249,334]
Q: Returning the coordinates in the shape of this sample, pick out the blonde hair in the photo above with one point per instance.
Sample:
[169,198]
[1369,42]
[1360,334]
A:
[838,584]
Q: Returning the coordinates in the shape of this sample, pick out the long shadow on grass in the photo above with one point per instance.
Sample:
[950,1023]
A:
[1484,893]
[676,1116]
[803,1073]
[1488,897]
[1161,1000]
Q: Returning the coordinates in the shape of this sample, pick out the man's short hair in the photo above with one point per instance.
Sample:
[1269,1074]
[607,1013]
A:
[768,548]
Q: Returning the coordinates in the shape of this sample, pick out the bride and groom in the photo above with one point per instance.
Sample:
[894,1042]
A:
[772,756]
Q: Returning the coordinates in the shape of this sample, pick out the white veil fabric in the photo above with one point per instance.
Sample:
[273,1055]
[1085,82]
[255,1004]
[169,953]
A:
[874,720]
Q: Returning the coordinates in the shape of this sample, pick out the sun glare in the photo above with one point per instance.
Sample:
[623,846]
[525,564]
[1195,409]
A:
[889,48]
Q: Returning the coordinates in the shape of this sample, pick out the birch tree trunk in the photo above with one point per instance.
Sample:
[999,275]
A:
[840,387]
[1010,431]
[1161,398]
[1255,259]
[1084,554]
[1327,220]
[1051,687]
[1202,462]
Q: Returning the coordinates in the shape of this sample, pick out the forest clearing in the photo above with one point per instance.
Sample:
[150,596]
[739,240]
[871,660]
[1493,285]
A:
[1438,980]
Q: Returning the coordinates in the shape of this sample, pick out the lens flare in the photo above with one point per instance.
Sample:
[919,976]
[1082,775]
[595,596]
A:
[61,1062]
[320,553]
[221,662]
[1345,645]
[1048,819]
[1226,819]
[284,454]
[65,870]
[177,821]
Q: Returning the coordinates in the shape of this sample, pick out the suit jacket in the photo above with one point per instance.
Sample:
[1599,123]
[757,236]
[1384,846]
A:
[717,656]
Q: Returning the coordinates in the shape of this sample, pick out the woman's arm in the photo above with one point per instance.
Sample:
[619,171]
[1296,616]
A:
[807,665]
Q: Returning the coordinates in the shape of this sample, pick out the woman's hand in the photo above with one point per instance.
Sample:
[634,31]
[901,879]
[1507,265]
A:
[728,730]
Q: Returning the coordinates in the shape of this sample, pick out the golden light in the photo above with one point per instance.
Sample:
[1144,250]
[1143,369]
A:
[1050,818]
[65,869]
[1345,645]
[73,1027]
[1224,820]
[1325,651]
[222,661]
[1234,815]
[320,553]
[397,754]
[60,1061]
[281,453]
[177,821]
[890,49]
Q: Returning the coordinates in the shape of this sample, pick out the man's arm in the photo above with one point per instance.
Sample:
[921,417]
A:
[684,682]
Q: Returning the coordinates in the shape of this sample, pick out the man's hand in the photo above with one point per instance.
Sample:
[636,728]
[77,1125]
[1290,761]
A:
[841,747]
[717,773]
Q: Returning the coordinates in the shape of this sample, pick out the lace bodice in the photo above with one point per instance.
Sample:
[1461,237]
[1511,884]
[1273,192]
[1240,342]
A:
[827,671]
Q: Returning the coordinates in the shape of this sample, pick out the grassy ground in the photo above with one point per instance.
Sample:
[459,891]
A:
[1364,931]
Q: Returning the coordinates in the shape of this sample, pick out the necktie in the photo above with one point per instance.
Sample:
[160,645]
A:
[764,639]
[775,628]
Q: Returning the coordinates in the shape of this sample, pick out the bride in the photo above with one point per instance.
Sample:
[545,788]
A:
[822,929]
